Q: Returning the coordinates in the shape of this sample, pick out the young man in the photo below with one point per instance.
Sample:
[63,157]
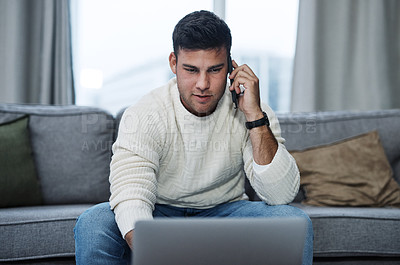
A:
[184,150]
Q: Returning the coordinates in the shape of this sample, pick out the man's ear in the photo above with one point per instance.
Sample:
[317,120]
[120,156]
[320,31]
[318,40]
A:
[172,62]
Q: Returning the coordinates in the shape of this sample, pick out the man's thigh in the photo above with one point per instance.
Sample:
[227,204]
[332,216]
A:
[241,208]
[162,210]
[245,208]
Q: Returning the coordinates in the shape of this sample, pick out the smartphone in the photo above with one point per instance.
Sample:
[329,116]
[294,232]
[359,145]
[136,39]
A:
[234,94]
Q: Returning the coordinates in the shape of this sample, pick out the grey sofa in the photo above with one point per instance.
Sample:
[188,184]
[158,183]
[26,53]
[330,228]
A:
[72,150]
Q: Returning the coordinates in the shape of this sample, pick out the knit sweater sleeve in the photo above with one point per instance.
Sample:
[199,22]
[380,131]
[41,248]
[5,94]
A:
[133,168]
[278,182]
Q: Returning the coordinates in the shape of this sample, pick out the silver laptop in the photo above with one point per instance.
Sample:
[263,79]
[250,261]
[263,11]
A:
[219,241]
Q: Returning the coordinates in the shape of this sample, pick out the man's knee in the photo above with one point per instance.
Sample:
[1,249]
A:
[287,210]
[97,236]
[94,219]
[290,211]
[265,210]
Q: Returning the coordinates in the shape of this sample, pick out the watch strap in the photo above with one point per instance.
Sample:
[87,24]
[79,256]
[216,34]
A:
[257,123]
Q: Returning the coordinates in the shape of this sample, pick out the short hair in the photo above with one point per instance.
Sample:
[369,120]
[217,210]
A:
[201,30]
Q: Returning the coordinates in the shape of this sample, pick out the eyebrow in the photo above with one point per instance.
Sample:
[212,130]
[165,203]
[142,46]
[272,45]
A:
[211,67]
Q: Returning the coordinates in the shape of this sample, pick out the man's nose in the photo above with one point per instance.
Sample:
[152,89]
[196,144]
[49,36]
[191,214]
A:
[203,81]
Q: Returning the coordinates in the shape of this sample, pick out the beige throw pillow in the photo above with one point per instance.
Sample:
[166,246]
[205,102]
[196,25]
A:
[353,172]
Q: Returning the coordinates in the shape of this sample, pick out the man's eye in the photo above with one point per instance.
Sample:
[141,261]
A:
[215,70]
[190,70]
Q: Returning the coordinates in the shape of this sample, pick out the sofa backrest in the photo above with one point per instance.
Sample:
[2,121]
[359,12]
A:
[305,130]
[71,149]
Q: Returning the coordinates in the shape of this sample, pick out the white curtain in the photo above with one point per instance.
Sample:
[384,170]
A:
[35,52]
[347,55]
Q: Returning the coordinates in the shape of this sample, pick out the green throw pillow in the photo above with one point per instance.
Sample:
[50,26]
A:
[19,185]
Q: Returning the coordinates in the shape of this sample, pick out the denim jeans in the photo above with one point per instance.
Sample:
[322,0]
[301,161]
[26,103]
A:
[99,241]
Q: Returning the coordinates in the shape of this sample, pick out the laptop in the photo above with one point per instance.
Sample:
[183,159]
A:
[219,241]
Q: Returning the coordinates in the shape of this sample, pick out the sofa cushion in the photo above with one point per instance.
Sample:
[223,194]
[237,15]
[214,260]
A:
[305,130]
[38,231]
[72,150]
[355,231]
[18,180]
[353,172]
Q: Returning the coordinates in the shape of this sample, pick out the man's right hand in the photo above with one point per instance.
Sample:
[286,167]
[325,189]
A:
[129,239]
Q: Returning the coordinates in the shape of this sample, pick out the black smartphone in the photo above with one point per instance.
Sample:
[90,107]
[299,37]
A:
[234,94]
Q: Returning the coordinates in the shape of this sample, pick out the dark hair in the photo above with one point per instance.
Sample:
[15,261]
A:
[201,30]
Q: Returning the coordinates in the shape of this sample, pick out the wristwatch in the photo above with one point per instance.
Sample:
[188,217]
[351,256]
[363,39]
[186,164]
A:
[257,123]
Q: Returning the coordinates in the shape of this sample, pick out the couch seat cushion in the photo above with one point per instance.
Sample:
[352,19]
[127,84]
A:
[354,231]
[35,232]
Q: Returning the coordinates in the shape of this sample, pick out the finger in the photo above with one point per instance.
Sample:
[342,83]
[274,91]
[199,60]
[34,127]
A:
[235,69]
[246,80]
[247,69]
[238,90]
[243,74]
[234,64]
[243,67]
[240,81]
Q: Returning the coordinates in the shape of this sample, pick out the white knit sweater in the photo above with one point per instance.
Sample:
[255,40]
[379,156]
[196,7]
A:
[164,154]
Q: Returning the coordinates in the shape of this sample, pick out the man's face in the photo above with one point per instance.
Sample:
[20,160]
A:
[201,77]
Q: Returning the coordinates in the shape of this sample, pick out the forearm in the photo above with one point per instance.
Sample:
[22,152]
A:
[264,145]
[263,141]
[129,212]
[133,189]
[277,183]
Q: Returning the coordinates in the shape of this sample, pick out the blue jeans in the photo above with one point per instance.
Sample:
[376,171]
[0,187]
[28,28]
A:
[99,241]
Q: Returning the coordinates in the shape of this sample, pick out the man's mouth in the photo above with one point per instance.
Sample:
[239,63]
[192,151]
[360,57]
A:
[202,98]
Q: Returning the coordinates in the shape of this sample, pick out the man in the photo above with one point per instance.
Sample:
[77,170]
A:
[184,150]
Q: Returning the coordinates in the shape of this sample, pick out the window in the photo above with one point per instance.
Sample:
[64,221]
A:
[121,47]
